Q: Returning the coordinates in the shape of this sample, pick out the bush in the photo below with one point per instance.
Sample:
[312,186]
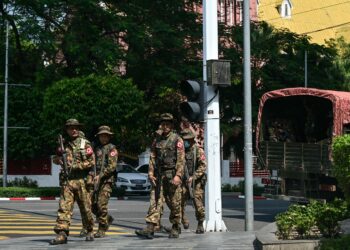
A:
[29,192]
[341,162]
[342,243]
[301,221]
[24,182]
[43,192]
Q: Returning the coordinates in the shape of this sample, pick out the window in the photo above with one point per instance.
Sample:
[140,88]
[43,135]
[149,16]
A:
[286,9]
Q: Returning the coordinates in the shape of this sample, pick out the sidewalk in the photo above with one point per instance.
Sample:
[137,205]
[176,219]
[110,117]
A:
[187,240]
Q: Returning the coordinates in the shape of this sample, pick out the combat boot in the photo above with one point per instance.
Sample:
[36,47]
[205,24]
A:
[186,225]
[61,238]
[174,233]
[147,232]
[83,233]
[164,229]
[200,228]
[100,233]
[89,236]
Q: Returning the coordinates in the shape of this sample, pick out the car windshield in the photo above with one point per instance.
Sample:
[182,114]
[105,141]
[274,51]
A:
[125,168]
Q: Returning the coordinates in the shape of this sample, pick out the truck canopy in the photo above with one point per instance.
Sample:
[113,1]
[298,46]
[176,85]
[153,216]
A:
[307,114]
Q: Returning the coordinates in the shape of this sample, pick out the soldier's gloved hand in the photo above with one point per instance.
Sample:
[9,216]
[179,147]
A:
[152,180]
[176,180]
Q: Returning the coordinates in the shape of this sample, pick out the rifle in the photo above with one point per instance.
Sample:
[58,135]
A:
[189,185]
[64,157]
[97,184]
[158,185]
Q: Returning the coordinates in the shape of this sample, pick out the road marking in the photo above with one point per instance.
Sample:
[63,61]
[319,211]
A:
[14,225]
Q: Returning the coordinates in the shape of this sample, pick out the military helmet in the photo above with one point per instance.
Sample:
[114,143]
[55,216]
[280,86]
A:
[73,122]
[166,117]
[187,134]
[104,130]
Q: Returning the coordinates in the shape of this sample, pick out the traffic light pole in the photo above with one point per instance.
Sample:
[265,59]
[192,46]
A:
[213,203]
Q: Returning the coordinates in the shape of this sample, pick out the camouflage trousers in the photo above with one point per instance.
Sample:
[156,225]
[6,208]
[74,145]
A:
[171,194]
[154,214]
[74,190]
[100,206]
[198,195]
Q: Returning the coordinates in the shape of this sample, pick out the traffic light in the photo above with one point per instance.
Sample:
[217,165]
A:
[192,109]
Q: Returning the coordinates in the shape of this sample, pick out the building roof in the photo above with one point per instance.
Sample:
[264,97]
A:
[319,19]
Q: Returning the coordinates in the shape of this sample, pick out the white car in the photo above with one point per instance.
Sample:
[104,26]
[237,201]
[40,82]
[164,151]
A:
[131,180]
[143,169]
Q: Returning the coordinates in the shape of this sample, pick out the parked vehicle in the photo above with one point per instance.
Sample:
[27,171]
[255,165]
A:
[294,135]
[143,169]
[131,180]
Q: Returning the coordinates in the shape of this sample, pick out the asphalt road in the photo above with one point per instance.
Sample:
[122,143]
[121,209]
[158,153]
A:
[129,214]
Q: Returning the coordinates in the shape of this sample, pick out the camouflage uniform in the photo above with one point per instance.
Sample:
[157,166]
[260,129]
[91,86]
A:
[109,154]
[80,159]
[168,159]
[196,167]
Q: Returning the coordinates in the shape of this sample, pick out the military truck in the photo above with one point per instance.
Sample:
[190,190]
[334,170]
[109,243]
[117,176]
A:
[295,129]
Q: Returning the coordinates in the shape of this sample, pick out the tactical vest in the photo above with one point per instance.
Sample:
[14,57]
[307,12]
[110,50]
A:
[78,150]
[166,151]
[102,153]
[190,161]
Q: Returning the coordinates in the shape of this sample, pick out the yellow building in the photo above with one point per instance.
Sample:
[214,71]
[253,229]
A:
[319,19]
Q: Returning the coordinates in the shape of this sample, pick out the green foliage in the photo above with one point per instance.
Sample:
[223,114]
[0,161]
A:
[300,221]
[22,182]
[21,191]
[341,163]
[96,100]
[327,217]
[29,192]
[343,243]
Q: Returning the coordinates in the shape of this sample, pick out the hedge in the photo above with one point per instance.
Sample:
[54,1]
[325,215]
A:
[9,192]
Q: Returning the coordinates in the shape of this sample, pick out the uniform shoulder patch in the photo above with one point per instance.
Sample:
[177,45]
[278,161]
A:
[89,151]
[113,152]
[179,144]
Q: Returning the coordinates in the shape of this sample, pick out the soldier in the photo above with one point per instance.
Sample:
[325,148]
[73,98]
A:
[166,170]
[80,159]
[195,179]
[106,164]
[158,227]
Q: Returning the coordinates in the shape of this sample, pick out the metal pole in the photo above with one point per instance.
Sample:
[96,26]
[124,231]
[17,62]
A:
[248,148]
[213,204]
[305,68]
[4,163]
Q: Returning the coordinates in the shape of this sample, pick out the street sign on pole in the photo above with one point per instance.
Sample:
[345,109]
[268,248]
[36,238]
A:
[213,203]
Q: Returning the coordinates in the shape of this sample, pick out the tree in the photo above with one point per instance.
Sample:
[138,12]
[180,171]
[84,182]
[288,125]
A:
[94,101]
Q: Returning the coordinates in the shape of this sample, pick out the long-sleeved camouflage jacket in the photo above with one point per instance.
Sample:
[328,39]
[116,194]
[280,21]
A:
[109,154]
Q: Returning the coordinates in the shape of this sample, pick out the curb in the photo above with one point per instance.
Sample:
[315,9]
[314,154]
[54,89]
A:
[46,198]
[28,198]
